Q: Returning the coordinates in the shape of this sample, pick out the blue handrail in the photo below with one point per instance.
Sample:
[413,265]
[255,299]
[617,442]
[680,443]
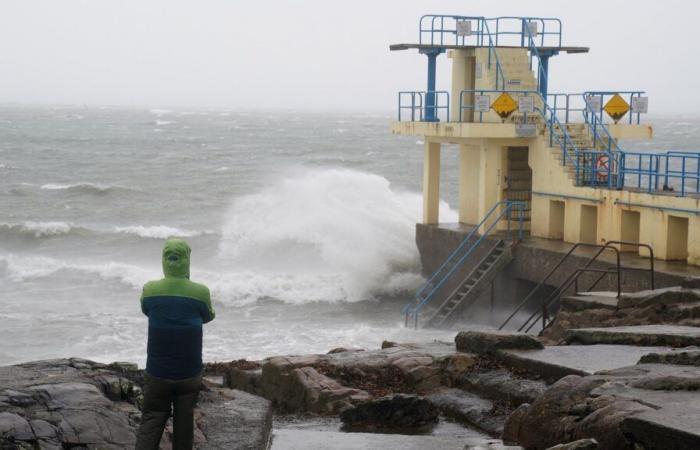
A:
[416,101]
[459,255]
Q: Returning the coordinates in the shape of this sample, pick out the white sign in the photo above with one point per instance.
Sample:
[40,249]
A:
[482,103]
[594,103]
[525,129]
[464,28]
[640,105]
[532,28]
[526,104]
[478,69]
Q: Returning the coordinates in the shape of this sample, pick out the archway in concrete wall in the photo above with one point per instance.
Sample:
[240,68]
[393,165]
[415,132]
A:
[589,224]
[677,238]
[629,229]
[557,214]
[518,181]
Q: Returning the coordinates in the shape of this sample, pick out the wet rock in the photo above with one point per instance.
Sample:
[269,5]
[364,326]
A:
[691,283]
[388,344]
[581,444]
[314,392]
[664,296]
[642,335]
[487,343]
[468,409]
[245,380]
[686,358]
[567,411]
[455,365]
[344,350]
[396,412]
[502,385]
[15,427]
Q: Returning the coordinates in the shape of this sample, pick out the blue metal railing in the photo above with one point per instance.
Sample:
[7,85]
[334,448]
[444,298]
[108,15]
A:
[632,116]
[416,103]
[441,30]
[457,258]
[674,172]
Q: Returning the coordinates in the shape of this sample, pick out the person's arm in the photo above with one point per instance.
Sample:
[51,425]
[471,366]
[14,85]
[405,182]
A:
[209,314]
[143,304]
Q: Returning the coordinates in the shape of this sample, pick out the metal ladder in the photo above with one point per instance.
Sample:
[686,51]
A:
[501,211]
[469,290]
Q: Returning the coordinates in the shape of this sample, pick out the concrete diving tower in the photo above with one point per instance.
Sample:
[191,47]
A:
[559,154]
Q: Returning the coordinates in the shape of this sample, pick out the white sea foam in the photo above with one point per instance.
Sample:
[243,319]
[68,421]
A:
[323,235]
[157,231]
[23,268]
[159,111]
[164,122]
[86,187]
[38,229]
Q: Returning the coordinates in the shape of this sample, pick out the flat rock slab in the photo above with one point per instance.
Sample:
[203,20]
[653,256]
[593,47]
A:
[468,409]
[235,420]
[641,335]
[488,342]
[581,302]
[680,357]
[329,440]
[552,363]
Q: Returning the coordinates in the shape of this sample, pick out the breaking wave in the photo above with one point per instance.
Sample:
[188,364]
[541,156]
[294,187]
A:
[85,188]
[331,235]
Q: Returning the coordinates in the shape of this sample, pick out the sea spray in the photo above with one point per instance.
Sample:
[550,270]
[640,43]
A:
[342,233]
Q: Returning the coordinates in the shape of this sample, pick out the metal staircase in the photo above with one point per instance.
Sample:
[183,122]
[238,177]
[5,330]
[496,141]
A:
[457,262]
[471,287]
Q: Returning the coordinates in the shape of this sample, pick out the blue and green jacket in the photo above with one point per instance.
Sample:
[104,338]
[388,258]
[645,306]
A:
[176,308]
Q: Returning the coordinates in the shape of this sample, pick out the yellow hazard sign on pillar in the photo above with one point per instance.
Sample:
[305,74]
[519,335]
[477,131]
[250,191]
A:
[504,105]
[616,107]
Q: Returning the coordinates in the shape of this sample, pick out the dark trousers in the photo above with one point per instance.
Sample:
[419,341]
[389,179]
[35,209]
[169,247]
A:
[159,396]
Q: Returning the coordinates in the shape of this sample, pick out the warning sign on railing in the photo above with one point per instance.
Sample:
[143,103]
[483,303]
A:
[464,28]
[504,105]
[616,107]
[482,103]
[526,104]
[640,105]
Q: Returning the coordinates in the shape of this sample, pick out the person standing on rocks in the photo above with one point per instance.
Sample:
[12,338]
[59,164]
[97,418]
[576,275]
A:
[176,308]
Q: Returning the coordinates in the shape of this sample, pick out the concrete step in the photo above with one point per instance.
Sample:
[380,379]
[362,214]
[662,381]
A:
[520,185]
[552,363]
[649,335]
[593,300]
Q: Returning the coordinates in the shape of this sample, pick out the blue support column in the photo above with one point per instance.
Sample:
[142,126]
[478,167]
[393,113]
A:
[430,96]
[543,75]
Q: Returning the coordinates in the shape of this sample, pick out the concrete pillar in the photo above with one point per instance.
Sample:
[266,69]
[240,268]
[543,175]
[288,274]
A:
[462,78]
[431,183]
[469,167]
[490,183]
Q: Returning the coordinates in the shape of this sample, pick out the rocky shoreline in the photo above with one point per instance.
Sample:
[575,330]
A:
[632,382]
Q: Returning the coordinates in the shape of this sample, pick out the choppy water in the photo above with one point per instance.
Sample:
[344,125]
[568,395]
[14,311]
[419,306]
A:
[302,225]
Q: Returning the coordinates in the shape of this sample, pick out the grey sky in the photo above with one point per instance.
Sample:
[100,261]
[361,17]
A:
[314,54]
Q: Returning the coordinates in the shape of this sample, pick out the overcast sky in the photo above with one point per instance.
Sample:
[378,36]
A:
[315,54]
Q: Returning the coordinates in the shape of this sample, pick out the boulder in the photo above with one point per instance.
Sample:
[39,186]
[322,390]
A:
[581,444]
[398,412]
[487,343]
[314,392]
[684,358]
[468,409]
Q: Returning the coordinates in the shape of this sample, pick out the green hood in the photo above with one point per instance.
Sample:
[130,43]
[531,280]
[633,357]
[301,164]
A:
[176,259]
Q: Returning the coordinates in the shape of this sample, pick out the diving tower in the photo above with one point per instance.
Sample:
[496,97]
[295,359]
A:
[557,155]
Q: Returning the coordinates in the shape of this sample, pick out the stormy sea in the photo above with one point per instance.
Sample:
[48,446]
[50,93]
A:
[302,225]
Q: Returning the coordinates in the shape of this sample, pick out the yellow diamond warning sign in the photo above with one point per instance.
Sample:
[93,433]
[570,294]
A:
[504,105]
[616,107]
